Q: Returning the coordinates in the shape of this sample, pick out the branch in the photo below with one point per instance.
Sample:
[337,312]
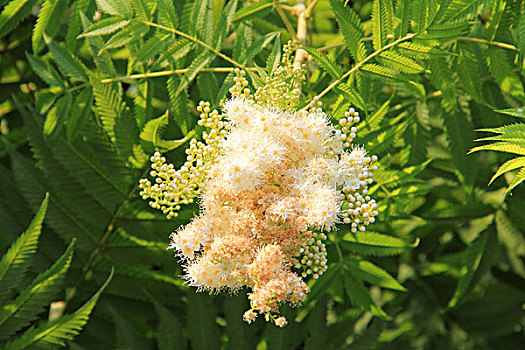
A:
[171,72]
[203,44]
[368,58]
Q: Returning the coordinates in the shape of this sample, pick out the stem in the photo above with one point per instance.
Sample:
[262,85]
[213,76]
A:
[170,72]
[360,64]
[103,241]
[285,20]
[461,38]
[197,41]
[493,43]
[300,55]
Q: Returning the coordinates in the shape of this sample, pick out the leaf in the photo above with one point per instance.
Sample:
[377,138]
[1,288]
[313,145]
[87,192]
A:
[381,22]
[471,262]
[32,301]
[128,337]
[115,7]
[376,244]
[18,257]
[152,47]
[128,34]
[323,61]
[254,10]
[373,274]
[63,329]
[83,104]
[15,12]
[420,51]
[56,117]
[509,165]
[203,331]
[515,112]
[224,24]
[48,22]
[403,11]
[109,105]
[105,26]
[352,29]
[420,15]
[152,131]
[360,296]
[168,16]
[65,60]
[273,61]
[519,178]
[45,71]
[241,335]
[353,96]
[503,73]
[400,63]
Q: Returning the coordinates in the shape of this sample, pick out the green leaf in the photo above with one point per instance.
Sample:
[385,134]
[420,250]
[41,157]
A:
[18,257]
[152,47]
[471,263]
[56,118]
[373,274]
[167,14]
[381,22]
[353,96]
[48,22]
[376,244]
[116,7]
[15,12]
[225,21]
[515,112]
[420,15]
[65,60]
[360,296]
[273,61]
[45,71]
[400,63]
[254,10]
[109,105]
[169,329]
[241,335]
[32,301]
[352,29]
[83,104]
[105,26]
[420,51]
[325,63]
[202,328]
[403,11]
[63,329]
[509,165]
[503,73]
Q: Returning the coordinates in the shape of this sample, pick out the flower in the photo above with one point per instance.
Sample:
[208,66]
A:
[272,181]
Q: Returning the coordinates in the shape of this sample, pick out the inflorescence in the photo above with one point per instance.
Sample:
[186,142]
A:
[272,182]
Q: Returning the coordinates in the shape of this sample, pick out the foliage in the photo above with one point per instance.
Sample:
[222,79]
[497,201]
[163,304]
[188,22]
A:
[85,86]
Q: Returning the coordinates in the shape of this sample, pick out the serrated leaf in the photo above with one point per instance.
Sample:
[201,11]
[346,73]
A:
[351,27]
[63,329]
[381,22]
[273,61]
[327,64]
[421,51]
[48,22]
[83,104]
[13,14]
[224,24]
[32,301]
[116,7]
[471,262]
[152,47]
[360,296]
[515,112]
[509,165]
[168,16]
[403,11]
[105,26]
[18,257]
[373,243]
[65,60]
[255,9]
[353,96]
[400,63]
[373,274]
[44,71]
[201,326]
[56,118]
